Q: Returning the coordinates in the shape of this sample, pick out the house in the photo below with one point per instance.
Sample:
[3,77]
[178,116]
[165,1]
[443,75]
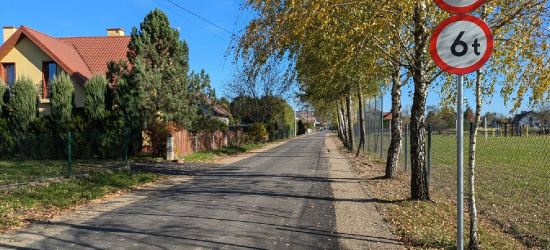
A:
[27,52]
[527,118]
[308,116]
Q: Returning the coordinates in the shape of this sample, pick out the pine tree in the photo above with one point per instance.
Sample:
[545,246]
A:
[96,90]
[23,101]
[61,99]
[160,64]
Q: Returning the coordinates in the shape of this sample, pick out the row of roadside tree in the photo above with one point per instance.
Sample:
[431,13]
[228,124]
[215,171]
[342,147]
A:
[341,52]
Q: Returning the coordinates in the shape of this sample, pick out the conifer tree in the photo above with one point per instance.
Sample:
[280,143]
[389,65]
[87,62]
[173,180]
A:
[23,102]
[61,99]
[94,103]
[127,95]
[160,64]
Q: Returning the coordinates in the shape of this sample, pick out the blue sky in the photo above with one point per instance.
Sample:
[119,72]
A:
[207,43]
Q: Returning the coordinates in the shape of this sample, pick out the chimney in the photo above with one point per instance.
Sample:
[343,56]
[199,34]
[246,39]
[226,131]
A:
[115,32]
[8,31]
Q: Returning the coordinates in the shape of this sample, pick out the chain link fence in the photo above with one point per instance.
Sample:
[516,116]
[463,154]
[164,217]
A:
[512,170]
[36,157]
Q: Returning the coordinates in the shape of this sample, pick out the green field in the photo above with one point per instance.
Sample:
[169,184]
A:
[512,182]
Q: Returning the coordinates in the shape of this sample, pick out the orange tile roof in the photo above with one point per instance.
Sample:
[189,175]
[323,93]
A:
[98,51]
[79,56]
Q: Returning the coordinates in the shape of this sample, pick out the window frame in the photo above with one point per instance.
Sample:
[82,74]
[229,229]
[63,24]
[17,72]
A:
[3,73]
[46,84]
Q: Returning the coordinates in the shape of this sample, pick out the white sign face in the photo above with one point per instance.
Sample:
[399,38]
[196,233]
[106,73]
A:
[459,6]
[461,44]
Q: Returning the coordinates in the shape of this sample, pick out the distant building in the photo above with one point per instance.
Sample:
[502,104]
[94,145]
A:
[308,116]
[527,118]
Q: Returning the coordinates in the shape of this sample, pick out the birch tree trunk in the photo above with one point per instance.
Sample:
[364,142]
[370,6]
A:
[340,122]
[396,124]
[419,179]
[344,124]
[350,122]
[474,241]
[361,147]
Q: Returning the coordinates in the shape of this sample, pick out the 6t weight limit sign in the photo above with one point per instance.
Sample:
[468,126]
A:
[461,44]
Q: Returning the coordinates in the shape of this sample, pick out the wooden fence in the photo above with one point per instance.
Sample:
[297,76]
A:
[186,142]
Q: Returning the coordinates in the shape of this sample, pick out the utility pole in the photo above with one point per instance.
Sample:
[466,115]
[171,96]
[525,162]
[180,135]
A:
[294,103]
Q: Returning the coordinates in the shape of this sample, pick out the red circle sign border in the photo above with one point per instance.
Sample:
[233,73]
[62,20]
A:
[459,10]
[466,70]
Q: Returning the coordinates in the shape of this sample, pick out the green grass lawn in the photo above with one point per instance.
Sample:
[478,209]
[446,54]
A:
[210,155]
[512,186]
[512,182]
[33,170]
[26,205]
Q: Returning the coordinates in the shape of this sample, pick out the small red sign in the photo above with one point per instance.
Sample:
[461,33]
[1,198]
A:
[459,6]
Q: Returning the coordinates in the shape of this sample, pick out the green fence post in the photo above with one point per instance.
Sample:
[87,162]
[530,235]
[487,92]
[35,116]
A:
[70,169]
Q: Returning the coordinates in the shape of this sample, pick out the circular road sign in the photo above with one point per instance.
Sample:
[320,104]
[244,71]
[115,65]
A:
[461,44]
[459,6]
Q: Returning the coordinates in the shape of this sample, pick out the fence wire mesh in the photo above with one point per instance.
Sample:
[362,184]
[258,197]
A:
[512,170]
[35,157]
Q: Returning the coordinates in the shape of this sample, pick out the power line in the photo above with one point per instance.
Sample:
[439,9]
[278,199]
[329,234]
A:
[191,21]
[192,13]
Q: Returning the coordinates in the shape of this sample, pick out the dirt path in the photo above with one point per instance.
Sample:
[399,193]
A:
[356,214]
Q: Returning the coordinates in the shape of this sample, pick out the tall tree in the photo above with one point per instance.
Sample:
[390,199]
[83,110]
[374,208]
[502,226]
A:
[160,63]
[521,22]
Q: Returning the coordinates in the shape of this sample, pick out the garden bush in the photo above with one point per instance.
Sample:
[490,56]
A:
[61,99]
[4,98]
[96,90]
[23,101]
[112,141]
[257,132]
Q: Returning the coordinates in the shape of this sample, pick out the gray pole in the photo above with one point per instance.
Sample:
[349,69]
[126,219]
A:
[429,155]
[459,167]
[294,102]
[374,126]
[382,126]
[367,116]
[406,146]
[485,128]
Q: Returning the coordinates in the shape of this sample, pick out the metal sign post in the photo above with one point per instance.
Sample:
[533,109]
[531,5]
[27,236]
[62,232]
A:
[460,45]
[460,165]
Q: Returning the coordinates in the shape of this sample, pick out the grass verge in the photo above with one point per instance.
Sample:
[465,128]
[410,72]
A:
[422,224]
[21,207]
[212,155]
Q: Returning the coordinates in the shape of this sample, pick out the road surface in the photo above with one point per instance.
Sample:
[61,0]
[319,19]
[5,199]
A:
[279,198]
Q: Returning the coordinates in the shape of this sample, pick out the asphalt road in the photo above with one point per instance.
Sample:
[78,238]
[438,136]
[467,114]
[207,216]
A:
[279,198]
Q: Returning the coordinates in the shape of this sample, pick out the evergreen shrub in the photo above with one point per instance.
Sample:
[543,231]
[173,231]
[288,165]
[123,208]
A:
[23,101]
[61,99]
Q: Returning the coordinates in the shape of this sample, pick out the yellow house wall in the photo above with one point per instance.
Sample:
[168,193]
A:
[28,59]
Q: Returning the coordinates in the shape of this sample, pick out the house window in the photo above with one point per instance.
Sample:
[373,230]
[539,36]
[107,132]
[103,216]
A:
[49,71]
[8,73]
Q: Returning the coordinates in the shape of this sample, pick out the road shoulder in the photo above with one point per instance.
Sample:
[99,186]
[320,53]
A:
[358,222]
